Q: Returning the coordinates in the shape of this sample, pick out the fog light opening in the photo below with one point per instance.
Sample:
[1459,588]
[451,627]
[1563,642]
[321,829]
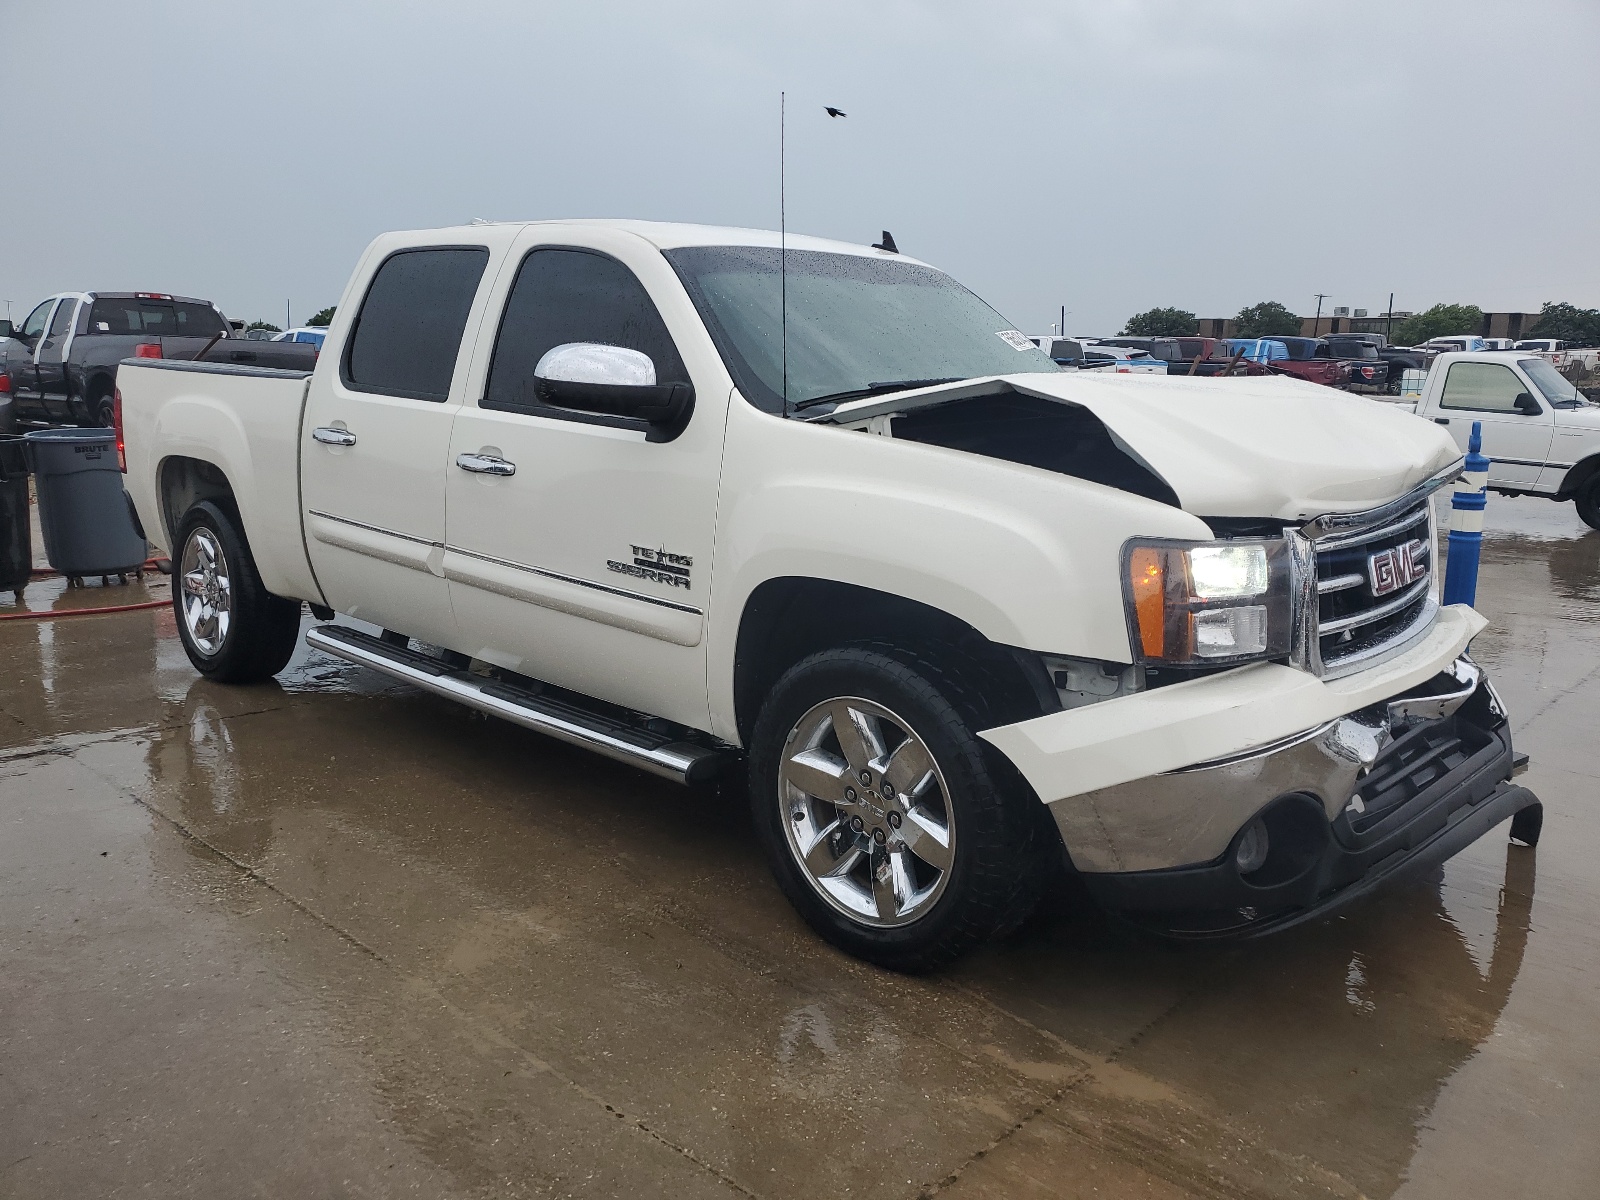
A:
[1283,842]
[1250,854]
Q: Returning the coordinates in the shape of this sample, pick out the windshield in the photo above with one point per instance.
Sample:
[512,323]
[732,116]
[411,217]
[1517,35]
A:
[853,322]
[1552,383]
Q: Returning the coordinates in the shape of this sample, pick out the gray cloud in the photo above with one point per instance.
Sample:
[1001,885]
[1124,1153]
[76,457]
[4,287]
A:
[1108,155]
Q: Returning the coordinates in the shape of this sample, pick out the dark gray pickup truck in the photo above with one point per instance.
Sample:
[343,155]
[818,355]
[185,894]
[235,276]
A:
[60,367]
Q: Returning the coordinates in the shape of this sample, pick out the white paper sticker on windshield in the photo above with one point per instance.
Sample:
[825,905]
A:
[1015,339]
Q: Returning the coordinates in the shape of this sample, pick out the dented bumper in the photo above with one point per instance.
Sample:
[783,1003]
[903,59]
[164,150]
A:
[1400,764]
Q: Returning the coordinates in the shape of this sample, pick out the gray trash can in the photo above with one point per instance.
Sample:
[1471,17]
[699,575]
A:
[16,531]
[85,515]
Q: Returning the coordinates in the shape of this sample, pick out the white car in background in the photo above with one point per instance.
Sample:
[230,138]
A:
[1459,343]
[309,334]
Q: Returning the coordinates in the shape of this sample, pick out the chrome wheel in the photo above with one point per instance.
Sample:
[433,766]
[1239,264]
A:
[866,812]
[206,598]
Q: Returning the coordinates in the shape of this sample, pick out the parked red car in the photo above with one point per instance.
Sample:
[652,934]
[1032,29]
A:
[1312,358]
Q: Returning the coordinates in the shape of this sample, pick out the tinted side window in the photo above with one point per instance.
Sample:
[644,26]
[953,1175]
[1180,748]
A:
[34,325]
[408,331]
[573,296]
[1484,387]
[63,317]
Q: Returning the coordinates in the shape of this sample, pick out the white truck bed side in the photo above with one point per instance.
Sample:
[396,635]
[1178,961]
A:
[243,421]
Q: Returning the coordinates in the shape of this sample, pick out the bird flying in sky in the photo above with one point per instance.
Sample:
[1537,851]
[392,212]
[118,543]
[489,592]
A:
[834,112]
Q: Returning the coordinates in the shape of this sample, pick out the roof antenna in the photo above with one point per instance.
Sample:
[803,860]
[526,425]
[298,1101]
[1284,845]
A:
[887,243]
[783,248]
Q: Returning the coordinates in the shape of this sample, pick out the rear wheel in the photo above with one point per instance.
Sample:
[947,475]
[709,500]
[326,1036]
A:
[232,628]
[1588,502]
[882,817]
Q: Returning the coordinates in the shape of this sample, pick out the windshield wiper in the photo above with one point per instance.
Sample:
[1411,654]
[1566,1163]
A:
[872,389]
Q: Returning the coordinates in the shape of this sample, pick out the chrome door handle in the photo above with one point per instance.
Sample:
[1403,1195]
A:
[329,436]
[485,464]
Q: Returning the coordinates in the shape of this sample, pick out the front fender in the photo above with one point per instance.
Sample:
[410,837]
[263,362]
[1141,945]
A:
[1027,557]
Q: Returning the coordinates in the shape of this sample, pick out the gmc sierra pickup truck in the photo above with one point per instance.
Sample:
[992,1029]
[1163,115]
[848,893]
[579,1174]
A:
[61,365]
[697,498]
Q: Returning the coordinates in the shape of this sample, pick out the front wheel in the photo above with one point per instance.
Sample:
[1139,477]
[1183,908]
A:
[881,815]
[232,628]
[1588,503]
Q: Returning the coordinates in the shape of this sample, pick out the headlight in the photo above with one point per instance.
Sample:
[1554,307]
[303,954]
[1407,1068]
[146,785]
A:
[1207,603]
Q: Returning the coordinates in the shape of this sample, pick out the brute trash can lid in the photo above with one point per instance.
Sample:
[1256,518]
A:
[70,434]
[68,451]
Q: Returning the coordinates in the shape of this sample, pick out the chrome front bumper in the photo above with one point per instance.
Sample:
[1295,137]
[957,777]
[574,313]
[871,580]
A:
[1350,803]
[1189,815]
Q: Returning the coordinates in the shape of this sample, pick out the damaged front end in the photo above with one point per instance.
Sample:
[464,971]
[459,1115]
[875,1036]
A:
[1396,786]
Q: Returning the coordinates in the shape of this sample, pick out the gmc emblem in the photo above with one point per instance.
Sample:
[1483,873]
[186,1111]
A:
[1390,570]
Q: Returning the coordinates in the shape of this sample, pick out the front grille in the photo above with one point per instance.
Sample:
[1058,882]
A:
[1353,618]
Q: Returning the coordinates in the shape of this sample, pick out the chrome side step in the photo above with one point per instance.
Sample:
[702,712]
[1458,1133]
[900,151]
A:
[680,761]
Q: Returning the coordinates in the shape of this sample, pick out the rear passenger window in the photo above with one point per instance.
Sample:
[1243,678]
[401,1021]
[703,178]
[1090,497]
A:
[572,296]
[408,331]
[63,317]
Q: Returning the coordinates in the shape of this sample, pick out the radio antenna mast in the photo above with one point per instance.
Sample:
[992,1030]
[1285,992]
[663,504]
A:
[783,244]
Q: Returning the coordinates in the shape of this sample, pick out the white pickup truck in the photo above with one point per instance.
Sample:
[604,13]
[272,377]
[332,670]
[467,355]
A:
[694,501]
[1541,434]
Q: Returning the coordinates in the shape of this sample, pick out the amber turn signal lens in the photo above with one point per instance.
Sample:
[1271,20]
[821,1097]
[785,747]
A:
[1147,580]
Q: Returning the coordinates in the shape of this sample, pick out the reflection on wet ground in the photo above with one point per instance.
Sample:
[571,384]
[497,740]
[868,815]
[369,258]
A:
[332,937]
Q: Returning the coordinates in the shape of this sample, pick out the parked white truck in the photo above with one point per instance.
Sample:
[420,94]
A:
[1541,434]
[687,499]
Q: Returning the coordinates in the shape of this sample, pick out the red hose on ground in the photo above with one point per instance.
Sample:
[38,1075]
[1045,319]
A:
[83,612]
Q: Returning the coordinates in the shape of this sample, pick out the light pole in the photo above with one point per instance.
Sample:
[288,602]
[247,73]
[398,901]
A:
[1316,321]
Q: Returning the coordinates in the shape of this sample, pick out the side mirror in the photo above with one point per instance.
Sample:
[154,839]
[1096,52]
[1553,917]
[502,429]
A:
[1527,405]
[7,330]
[610,380]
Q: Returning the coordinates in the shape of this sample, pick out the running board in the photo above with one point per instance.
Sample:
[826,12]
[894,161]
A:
[680,761]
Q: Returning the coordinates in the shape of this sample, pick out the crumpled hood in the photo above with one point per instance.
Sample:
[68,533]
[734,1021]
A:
[1245,447]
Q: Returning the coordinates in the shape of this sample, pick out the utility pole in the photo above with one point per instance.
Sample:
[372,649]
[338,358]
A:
[1316,321]
[287,324]
[1388,320]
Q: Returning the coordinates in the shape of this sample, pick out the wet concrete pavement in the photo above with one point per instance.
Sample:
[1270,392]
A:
[331,937]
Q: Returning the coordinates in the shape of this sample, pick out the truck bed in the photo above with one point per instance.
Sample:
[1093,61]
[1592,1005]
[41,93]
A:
[244,419]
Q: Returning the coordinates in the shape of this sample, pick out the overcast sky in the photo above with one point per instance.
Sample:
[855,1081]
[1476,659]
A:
[1105,155]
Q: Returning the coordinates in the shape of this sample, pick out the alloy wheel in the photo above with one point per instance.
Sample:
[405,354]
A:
[206,595]
[866,812]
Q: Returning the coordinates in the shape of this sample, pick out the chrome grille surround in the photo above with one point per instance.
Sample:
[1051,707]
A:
[1340,626]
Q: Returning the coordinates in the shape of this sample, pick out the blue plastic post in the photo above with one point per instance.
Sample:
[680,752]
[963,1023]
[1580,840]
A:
[1466,524]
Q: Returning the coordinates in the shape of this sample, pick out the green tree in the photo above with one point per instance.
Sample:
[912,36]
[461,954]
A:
[322,319]
[1441,320]
[1162,322]
[267,325]
[1569,323]
[1267,319]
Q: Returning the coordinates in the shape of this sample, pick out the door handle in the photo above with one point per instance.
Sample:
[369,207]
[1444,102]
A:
[329,436]
[242,355]
[486,464]
[1441,420]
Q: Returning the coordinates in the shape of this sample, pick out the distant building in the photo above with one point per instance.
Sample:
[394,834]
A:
[1342,320]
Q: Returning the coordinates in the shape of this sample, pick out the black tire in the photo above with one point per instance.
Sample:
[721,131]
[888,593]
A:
[261,630]
[1588,503]
[1001,845]
[103,412]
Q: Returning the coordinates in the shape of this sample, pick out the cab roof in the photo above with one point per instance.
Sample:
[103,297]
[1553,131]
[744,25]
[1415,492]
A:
[669,235]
